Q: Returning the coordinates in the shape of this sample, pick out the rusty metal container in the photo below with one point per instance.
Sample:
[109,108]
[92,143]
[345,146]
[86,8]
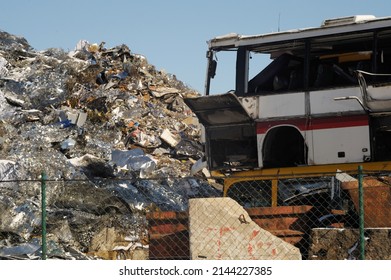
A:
[287,222]
[168,236]
[377,200]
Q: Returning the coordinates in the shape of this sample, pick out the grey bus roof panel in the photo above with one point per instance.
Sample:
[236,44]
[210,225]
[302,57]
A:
[236,40]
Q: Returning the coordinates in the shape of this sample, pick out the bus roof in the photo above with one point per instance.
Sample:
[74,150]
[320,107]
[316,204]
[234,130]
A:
[328,28]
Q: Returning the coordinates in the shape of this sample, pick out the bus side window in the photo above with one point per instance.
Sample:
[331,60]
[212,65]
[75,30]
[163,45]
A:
[296,78]
[264,79]
[325,75]
[385,62]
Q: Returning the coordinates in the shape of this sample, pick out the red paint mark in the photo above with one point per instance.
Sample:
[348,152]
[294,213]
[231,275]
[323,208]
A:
[250,247]
[250,250]
[209,229]
[222,232]
[254,234]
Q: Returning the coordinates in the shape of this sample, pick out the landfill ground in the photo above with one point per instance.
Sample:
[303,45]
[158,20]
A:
[112,136]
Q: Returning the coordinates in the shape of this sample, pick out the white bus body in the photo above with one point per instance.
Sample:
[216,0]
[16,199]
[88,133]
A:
[325,98]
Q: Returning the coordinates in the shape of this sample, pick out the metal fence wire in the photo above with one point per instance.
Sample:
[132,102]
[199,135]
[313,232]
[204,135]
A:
[344,215]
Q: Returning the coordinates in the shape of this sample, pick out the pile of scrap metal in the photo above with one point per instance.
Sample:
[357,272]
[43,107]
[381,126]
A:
[101,123]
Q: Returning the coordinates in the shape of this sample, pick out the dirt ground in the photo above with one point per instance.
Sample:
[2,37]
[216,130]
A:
[342,244]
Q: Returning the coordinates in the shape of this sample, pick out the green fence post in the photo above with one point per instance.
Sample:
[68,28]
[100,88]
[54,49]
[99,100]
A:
[361,212]
[43,213]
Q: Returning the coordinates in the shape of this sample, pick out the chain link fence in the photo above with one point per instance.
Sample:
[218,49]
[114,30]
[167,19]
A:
[343,215]
[88,219]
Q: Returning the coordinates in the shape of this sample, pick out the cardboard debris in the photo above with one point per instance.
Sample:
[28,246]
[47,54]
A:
[169,138]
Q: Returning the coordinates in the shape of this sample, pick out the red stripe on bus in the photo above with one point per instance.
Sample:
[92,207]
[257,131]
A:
[304,124]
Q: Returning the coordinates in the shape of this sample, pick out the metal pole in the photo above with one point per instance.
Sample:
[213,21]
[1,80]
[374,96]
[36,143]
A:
[43,212]
[361,212]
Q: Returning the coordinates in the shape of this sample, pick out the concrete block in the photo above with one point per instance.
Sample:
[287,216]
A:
[220,229]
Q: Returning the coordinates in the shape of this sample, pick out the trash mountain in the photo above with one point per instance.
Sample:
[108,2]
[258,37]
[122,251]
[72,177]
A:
[110,132]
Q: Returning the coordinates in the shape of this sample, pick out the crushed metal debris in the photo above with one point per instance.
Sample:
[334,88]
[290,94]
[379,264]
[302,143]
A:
[103,124]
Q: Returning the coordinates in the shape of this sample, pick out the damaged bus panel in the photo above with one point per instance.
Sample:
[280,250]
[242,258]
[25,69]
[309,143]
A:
[301,97]
[231,138]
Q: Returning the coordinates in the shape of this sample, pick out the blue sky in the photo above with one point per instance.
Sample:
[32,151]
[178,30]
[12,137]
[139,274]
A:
[172,34]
